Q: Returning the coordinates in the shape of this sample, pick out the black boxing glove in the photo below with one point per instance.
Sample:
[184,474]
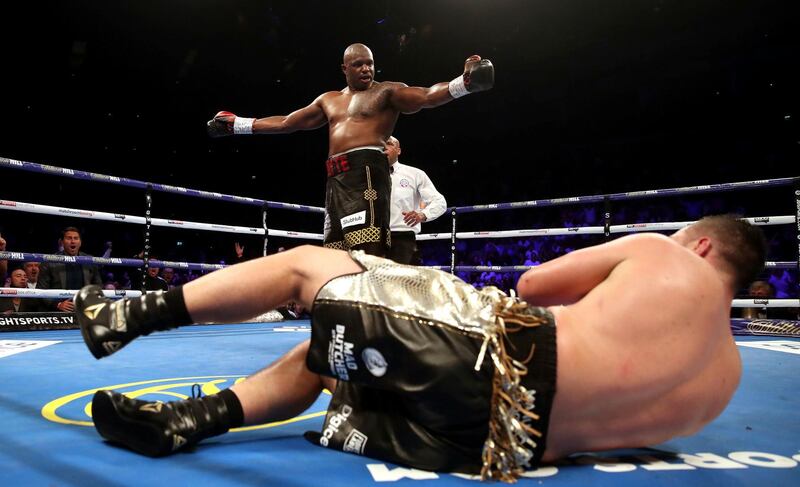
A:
[478,76]
[226,123]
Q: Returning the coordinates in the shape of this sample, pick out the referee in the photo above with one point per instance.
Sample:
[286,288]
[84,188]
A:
[414,200]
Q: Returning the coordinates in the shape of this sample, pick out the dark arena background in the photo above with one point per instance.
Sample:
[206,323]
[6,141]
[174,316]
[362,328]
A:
[590,98]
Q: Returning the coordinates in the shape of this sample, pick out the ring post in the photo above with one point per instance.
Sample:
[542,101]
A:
[796,187]
[148,198]
[453,243]
[264,224]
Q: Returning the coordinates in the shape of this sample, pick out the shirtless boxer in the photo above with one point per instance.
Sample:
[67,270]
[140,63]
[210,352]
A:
[625,344]
[360,119]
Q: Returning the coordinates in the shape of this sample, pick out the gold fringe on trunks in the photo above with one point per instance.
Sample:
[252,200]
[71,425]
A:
[512,440]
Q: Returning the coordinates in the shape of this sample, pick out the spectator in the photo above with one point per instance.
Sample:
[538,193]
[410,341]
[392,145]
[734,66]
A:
[32,272]
[16,304]
[152,281]
[168,274]
[68,275]
[3,263]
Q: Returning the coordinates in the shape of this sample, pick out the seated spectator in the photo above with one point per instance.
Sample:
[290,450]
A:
[16,304]
[4,262]
[758,290]
[168,274]
[68,275]
[153,282]
[32,273]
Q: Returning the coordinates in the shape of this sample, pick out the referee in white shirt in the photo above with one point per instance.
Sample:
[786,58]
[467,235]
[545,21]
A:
[414,200]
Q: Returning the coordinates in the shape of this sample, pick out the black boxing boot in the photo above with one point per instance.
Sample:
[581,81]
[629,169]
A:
[108,325]
[157,428]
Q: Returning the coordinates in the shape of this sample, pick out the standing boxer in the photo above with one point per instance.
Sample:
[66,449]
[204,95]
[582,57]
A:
[360,119]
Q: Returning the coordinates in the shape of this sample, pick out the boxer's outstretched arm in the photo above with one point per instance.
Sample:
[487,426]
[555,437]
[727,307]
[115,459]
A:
[226,123]
[478,76]
[308,118]
[567,279]
[411,99]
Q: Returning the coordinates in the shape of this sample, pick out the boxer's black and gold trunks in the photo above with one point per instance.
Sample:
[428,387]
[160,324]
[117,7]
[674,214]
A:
[357,201]
[404,343]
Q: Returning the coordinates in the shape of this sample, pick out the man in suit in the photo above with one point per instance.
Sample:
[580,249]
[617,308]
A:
[68,275]
[16,304]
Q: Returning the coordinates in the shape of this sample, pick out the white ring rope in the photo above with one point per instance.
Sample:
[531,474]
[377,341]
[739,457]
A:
[532,232]
[15,292]
[189,225]
[523,268]
[133,183]
[158,222]
[765,303]
[628,228]
[12,292]
[110,261]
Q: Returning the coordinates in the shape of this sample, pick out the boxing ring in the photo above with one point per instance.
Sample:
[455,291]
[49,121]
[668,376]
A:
[49,378]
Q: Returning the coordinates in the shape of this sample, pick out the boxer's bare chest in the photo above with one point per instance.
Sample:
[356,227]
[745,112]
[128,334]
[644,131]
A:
[361,105]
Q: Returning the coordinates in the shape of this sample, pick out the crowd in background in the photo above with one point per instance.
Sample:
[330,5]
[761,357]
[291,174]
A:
[515,251]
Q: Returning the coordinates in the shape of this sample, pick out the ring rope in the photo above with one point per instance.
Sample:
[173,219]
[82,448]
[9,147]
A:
[140,220]
[705,188]
[118,261]
[523,268]
[109,261]
[699,189]
[133,183]
[69,293]
[765,303]
[627,228]
[605,230]
[15,292]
